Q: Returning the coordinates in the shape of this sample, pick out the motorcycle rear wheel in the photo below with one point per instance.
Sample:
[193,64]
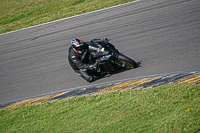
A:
[126,62]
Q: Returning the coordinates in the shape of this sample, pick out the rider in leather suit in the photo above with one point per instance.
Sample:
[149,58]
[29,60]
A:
[79,57]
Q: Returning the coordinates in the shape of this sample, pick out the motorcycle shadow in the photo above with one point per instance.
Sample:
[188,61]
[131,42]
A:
[116,72]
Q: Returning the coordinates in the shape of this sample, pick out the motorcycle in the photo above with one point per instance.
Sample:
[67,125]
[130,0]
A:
[108,57]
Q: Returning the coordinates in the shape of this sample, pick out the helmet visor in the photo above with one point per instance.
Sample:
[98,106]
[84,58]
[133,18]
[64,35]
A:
[79,49]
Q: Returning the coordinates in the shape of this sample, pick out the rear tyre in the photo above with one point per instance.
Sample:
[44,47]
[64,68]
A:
[126,62]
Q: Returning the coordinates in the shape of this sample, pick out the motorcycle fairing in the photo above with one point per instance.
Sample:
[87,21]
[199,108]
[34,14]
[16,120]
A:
[100,49]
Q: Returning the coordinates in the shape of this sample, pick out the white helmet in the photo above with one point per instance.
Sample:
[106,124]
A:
[77,45]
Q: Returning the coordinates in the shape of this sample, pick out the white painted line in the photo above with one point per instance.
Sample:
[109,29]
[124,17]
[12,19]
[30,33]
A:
[72,17]
[100,84]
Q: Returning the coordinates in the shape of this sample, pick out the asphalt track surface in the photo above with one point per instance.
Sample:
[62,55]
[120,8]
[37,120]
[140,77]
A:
[163,35]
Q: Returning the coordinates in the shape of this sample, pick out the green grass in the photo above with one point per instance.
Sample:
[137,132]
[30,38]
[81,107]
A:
[17,14]
[170,109]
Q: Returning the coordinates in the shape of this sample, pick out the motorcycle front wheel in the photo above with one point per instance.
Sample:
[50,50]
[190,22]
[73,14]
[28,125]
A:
[125,62]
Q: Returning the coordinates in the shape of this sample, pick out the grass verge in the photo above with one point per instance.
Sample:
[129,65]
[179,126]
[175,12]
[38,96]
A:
[170,108]
[24,13]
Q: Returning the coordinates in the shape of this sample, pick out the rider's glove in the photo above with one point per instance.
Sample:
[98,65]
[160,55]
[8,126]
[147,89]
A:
[93,67]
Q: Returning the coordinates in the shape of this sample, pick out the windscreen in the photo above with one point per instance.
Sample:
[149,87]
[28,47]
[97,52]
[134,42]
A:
[98,50]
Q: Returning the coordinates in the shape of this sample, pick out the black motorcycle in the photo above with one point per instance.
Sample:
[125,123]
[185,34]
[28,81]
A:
[108,57]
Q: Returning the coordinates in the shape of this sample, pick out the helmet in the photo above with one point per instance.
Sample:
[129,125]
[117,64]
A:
[77,45]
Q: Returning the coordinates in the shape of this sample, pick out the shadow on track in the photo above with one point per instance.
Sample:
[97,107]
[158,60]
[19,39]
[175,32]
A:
[116,72]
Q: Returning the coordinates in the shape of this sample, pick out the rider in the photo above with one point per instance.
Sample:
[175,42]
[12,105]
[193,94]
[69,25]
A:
[78,58]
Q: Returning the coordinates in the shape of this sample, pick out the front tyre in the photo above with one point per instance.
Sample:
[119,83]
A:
[126,62]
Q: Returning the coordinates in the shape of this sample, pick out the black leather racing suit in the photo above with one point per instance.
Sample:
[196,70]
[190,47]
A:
[80,63]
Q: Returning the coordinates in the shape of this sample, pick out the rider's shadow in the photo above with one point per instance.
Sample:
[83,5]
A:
[117,71]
